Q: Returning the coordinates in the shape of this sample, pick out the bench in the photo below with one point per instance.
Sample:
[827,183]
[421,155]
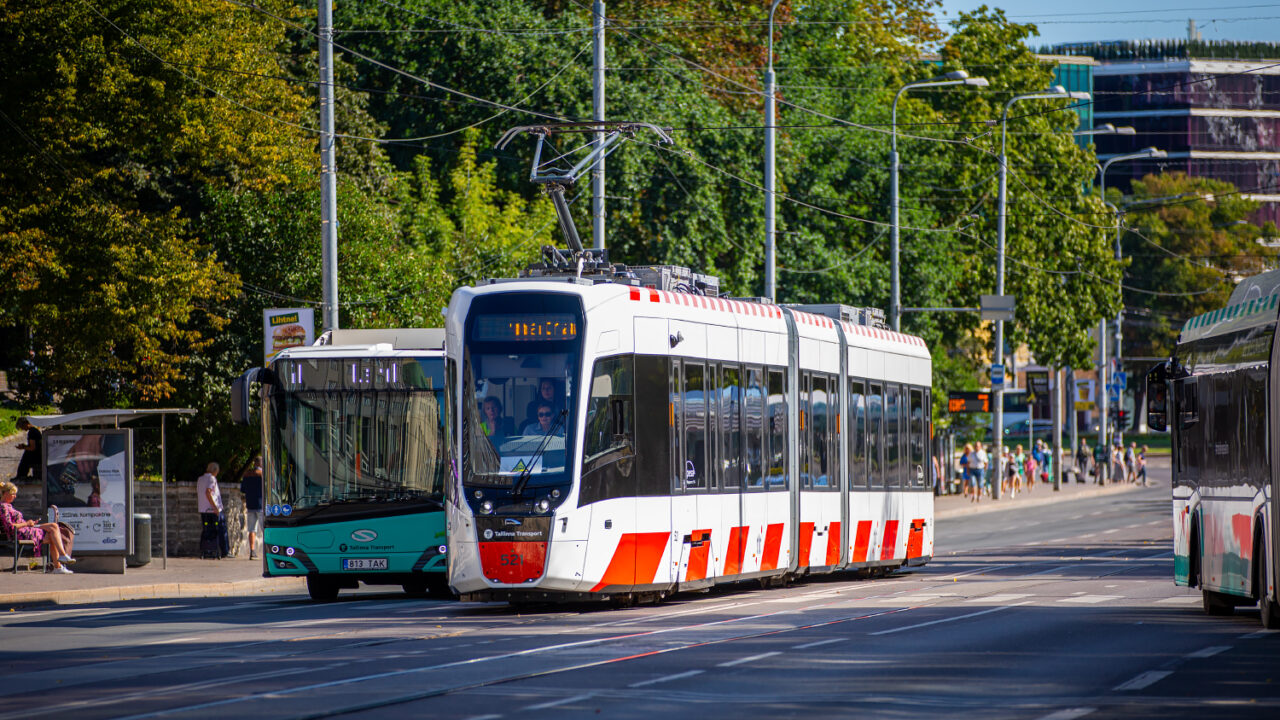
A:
[18,546]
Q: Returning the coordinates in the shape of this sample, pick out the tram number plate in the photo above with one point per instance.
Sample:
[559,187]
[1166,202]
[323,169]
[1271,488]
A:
[364,563]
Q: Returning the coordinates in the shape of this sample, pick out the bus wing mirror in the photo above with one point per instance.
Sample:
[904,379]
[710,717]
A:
[1158,397]
[242,394]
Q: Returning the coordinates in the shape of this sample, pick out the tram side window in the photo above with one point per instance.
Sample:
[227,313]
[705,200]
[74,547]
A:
[833,431]
[892,466]
[806,429]
[875,434]
[711,400]
[610,434]
[695,427]
[857,434]
[777,418]
[676,434]
[653,425]
[918,470]
[820,467]
[753,427]
[731,426]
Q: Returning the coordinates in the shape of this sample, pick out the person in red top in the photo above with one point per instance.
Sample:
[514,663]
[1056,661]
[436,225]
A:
[19,528]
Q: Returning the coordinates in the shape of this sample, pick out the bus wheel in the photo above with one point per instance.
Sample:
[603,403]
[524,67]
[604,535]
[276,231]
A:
[322,590]
[415,588]
[1215,603]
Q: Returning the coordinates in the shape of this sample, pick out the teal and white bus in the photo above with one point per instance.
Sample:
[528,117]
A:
[355,457]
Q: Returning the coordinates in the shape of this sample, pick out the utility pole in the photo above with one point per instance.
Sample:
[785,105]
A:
[770,236]
[328,174]
[597,101]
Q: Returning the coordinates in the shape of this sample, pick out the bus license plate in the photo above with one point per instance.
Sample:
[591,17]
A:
[364,563]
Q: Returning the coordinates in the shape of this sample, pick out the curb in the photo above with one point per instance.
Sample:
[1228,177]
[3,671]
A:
[155,591]
[988,505]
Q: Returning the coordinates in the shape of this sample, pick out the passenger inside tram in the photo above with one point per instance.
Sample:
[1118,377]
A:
[546,394]
[546,423]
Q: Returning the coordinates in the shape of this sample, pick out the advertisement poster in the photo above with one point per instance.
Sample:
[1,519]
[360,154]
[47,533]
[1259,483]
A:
[283,328]
[89,478]
[1084,395]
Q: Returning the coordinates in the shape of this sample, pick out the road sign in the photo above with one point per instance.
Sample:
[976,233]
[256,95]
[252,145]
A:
[1121,378]
[997,375]
[997,307]
[968,402]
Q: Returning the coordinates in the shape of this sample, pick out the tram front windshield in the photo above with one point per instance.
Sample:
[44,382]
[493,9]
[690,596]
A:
[367,430]
[518,397]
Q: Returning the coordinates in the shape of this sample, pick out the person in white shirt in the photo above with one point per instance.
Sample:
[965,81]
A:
[978,467]
[214,541]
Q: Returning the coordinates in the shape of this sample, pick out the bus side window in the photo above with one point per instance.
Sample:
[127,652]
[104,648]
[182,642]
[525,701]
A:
[1188,408]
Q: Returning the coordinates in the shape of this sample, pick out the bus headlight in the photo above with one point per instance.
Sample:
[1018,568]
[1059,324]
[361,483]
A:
[486,508]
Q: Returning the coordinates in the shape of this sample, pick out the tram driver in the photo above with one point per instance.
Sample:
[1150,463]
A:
[546,394]
[496,427]
[546,422]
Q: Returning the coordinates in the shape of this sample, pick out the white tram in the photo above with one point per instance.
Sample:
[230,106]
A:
[616,440]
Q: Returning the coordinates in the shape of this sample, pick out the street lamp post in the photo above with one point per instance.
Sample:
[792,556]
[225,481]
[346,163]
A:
[770,236]
[1057,92]
[1143,154]
[1107,129]
[956,77]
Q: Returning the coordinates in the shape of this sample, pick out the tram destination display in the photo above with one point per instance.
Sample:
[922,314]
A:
[523,327]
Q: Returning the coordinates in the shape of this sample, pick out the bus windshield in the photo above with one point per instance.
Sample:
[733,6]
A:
[363,429]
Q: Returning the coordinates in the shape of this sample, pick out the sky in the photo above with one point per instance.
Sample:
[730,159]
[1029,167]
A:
[1086,20]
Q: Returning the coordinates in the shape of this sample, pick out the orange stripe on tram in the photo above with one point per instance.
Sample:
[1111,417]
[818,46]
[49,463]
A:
[635,560]
[699,551]
[737,548]
[915,541]
[862,541]
[772,546]
[806,543]
[833,543]
[890,542]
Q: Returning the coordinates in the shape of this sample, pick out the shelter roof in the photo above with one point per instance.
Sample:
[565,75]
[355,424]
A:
[107,416]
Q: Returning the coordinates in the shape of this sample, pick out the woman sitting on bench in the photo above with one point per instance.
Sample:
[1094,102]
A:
[18,528]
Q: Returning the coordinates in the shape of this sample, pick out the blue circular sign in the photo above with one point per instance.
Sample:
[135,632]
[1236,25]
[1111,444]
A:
[286,509]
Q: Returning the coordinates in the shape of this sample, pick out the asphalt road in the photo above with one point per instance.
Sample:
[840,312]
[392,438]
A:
[1060,611]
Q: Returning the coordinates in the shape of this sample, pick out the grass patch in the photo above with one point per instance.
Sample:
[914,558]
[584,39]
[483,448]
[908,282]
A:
[9,415]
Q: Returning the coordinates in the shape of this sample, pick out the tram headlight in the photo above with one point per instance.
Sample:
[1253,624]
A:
[555,493]
[544,505]
[486,508]
[479,494]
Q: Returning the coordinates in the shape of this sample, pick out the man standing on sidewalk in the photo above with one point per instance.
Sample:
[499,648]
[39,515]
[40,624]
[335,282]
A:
[251,487]
[213,533]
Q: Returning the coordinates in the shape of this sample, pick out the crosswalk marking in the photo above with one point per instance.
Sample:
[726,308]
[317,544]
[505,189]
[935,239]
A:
[1146,679]
[1179,600]
[1090,599]
[1010,597]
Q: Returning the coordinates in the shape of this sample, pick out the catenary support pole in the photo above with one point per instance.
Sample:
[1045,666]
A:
[770,236]
[597,114]
[328,174]
[164,502]
[1056,388]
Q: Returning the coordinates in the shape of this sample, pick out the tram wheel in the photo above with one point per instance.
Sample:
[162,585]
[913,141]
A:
[322,590]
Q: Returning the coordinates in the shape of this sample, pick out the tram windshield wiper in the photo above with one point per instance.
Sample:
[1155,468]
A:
[523,479]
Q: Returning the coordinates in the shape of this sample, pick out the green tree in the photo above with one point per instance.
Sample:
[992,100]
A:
[1187,240]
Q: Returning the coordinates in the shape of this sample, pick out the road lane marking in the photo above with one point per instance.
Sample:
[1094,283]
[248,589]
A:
[806,646]
[1112,530]
[666,678]
[1150,677]
[214,608]
[1088,535]
[1007,598]
[1090,599]
[1258,634]
[556,703]
[950,619]
[1209,651]
[485,717]
[749,658]
[1069,713]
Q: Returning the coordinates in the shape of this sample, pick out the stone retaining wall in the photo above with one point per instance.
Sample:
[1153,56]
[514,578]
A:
[184,517]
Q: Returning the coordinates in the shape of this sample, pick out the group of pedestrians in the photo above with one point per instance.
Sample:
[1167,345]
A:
[214,540]
[1021,469]
[1124,464]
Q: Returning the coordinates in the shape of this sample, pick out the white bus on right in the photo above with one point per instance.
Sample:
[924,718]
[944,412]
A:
[1219,397]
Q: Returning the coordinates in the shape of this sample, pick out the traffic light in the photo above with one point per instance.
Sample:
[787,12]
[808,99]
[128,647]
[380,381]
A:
[1120,418]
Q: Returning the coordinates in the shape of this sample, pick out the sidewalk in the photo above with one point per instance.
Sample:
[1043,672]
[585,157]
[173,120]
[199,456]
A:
[946,506]
[184,578]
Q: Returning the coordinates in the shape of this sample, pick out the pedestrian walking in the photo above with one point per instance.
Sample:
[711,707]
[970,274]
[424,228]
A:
[1029,469]
[1142,466]
[30,464]
[978,470]
[1117,463]
[214,542]
[1082,460]
[966,458]
[1131,462]
[251,488]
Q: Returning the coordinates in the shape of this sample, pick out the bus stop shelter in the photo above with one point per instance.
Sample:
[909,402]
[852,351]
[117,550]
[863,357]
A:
[112,418]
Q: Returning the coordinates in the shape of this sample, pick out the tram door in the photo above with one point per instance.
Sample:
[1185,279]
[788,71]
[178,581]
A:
[730,464]
[691,503]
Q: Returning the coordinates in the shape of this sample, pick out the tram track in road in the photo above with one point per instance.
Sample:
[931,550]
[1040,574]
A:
[834,597]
